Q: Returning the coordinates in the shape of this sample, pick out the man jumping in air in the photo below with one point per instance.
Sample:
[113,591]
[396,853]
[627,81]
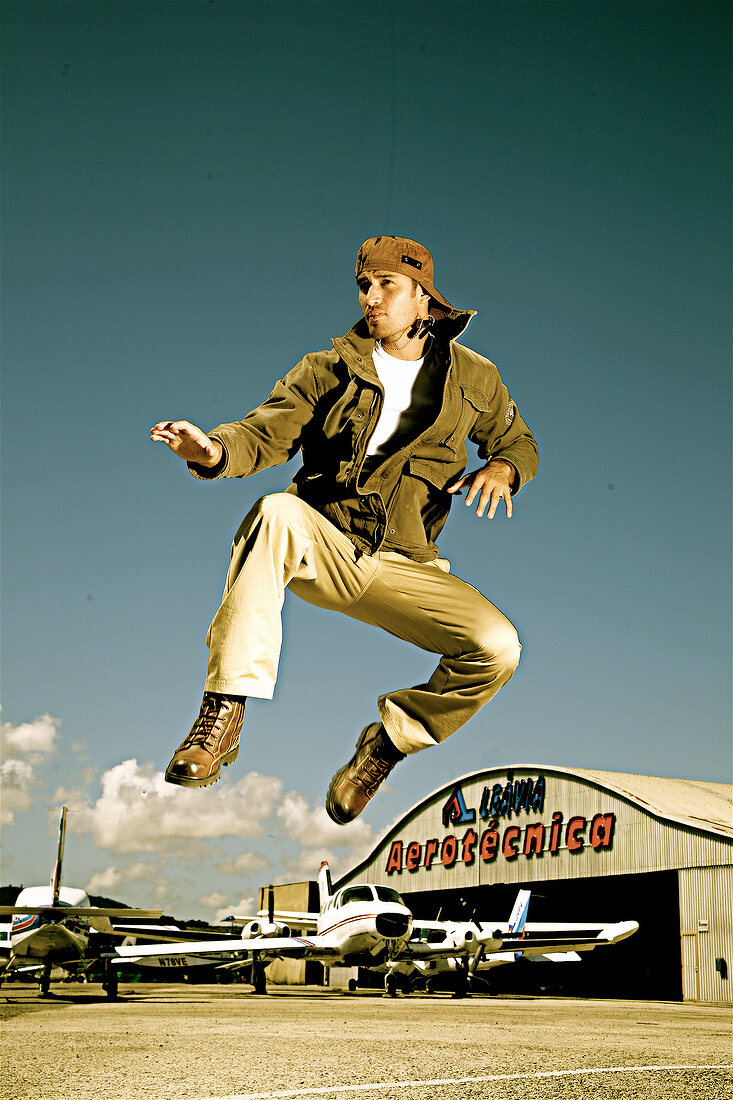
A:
[381,420]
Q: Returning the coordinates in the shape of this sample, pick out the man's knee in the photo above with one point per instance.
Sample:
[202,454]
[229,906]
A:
[280,506]
[280,509]
[499,644]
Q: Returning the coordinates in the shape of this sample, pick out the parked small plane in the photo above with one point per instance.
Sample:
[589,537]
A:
[57,925]
[408,973]
[370,926]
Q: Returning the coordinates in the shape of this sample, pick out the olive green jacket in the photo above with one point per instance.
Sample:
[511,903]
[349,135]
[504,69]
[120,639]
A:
[327,407]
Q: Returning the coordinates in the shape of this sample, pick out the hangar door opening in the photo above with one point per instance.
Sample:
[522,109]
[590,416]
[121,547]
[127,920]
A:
[644,967]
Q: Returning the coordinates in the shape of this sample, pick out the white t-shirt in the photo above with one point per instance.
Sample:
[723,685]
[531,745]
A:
[399,409]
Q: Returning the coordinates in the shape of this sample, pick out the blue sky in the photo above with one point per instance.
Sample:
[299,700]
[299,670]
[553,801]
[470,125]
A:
[185,188]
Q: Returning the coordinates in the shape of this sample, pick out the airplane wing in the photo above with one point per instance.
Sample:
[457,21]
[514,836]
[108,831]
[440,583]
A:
[293,946]
[160,934]
[556,957]
[542,939]
[80,911]
[433,940]
[300,920]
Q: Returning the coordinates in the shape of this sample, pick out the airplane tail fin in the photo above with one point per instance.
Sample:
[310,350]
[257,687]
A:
[518,917]
[325,887]
[56,873]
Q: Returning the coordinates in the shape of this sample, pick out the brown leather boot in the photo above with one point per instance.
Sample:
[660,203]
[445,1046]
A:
[213,741]
[357,782]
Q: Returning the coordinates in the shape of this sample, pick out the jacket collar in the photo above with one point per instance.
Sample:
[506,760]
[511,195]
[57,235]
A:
[359,345]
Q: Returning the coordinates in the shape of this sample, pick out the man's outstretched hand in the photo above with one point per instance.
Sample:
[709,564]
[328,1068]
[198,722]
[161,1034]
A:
[491,484]
[187,441]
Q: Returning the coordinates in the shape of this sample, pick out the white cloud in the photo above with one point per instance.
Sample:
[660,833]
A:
[139,812]
[245,907]
[243,864]
[75,799]
[104,881]
[23,748]
[313,828]
[37,737]
[228,829]
[114,877]
[316,835]
[213,901]
[16,780]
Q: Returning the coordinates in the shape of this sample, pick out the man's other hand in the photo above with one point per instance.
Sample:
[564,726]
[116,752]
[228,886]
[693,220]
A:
[491,484]
[188,442]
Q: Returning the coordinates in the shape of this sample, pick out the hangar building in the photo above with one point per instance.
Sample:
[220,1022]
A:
[591,845]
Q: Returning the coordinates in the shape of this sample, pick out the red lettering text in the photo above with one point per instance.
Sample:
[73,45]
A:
[573,838]
[431,850]
[394,861]
[601,830]
[449,850]
[509,847]
[534,839]
[489,845]
[554,843]
[469,842]
[412,856]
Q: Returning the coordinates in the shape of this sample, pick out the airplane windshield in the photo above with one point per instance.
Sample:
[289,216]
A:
[385,894]
[356,893]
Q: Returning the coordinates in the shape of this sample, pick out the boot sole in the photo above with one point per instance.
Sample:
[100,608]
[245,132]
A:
[330,804]
[205,781]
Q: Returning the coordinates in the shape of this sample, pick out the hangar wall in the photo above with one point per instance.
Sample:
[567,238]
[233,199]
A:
[706,931]
[528,822]
[561,828]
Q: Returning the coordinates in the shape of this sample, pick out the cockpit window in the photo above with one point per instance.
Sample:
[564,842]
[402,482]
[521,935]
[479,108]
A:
[356,893]
[385,894]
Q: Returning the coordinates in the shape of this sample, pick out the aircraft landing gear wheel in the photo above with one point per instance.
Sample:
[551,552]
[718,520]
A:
[391,985]
[259,980]
[352,985]
[45,981]
[110,981]
[461,989]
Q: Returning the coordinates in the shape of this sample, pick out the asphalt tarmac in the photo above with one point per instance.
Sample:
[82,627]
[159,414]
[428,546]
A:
[190,1042]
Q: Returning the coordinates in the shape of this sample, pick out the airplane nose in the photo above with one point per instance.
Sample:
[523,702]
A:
[393,926]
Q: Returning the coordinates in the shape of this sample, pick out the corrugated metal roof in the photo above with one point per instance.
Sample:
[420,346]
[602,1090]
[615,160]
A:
[693,802]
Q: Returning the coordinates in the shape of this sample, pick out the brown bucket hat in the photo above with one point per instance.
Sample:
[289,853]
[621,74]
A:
[404,256]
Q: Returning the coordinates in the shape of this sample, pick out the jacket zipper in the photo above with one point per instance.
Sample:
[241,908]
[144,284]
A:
[362,440]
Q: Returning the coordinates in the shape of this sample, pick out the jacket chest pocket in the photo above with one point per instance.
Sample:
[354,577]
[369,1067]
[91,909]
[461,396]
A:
[349,413]
[463,409]
[437,473]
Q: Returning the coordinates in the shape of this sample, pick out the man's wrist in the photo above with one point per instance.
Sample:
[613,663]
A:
[510,467]
[206,472]
[217,456]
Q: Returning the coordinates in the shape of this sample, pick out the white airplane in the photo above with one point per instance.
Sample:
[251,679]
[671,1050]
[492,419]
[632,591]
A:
[409,974]
[370,926]
[57,925]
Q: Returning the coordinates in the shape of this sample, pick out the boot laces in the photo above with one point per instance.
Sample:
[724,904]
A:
[372,771]
[204,732]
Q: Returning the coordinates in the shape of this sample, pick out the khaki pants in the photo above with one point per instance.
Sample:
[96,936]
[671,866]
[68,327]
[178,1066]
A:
[284,543]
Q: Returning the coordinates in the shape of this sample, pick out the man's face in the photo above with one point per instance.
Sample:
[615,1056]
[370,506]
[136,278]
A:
[390,303]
